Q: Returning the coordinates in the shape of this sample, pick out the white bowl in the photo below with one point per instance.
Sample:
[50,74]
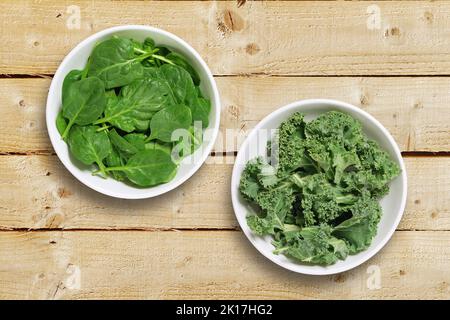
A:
[392,204]
[77,58]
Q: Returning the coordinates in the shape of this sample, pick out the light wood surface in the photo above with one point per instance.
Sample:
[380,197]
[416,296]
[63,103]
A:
[205,265]
[61,240]
[297,38]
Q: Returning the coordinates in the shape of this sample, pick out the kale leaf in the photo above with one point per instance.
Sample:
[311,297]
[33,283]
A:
[318,195]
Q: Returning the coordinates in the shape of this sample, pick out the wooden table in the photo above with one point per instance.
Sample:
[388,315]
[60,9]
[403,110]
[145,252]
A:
[61,240]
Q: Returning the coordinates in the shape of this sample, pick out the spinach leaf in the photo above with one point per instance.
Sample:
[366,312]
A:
[149,44]
[140,93]
[89,146]
[71,77]
[200,109]
[83,102]
[115,62]
[136,105]
[189,142]
[115,159]
[178,81]
[136,139]
[61,123]
[166,121]
[179,60]
[164,146]
[111,98]
[148,168]
[121,144]
[182,90]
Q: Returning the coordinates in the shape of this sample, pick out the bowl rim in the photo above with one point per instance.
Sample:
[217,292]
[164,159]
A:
[304,268]
[214,127]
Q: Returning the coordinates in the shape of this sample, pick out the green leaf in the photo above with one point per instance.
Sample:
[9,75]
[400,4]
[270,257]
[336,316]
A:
[83,102]
[189,142]
[315,245]
[148,168]
[320,203]
[136,139]
[61,123]
[71,77]
[200,109]
[179,60]
[153,145]
[114,61]
[149,44]
[88,145]
[115,159]
[137,103]
[166,121]
[121,144]
[139,93]
[178,81]
[182,90]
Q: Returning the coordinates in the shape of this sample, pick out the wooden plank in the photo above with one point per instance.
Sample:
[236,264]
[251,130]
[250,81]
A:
[307,38]
[46,195]
[414,109]
[206,265]
[38,192]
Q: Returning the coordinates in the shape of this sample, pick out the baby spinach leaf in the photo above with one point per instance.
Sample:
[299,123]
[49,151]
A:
[114,61]
[137,103]
[61,123]
[88,145]
[132,87]
[83,102]
[164,146]
[178,81]
[121,144]
[149,44]
[188,143]
[111,98]
[115,159]
[182,90]
[71,77]
[180,61]
[148,168]
[136,139]
[200,109]
[166,121]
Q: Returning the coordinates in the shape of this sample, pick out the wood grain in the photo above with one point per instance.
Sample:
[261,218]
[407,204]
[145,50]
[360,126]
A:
[414,109]
[205,265]
[296,38]
[264,55]
[38,192]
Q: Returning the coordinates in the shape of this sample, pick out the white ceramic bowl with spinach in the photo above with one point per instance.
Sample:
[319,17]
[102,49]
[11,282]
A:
[121,129]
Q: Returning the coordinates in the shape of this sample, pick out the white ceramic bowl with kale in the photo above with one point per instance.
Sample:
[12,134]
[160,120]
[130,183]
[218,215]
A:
[324,228]
[87,165]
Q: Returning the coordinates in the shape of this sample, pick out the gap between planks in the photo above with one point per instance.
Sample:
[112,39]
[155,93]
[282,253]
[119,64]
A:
[256,75]
[219,229]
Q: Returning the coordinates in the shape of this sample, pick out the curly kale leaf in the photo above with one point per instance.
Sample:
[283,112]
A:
[359,230]
[319,201]
[275,205]
[313,245]
[334,126]
[290,146]
[322,201]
